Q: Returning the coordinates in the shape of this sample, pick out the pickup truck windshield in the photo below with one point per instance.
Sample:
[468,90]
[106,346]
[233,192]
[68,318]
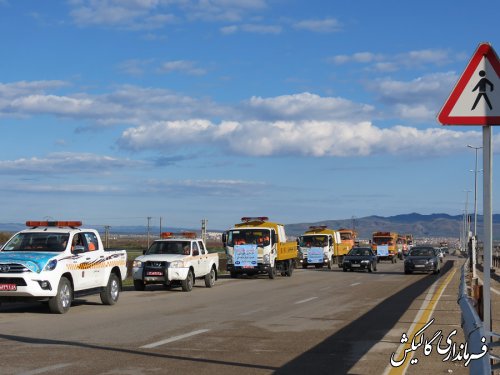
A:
[259,237]
[315,241]
[170,247]
[46,241]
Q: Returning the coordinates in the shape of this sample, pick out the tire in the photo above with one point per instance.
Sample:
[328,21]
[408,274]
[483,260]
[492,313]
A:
[188,282]
[407,272]
[344,269]
[139,285]
[61,302]
[330,263]
[233,275]
[290,268]
[111,293]
[272,273]
[210,278]
[304,265]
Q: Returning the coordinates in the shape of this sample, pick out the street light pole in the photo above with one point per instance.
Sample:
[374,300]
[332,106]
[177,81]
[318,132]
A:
[475,189]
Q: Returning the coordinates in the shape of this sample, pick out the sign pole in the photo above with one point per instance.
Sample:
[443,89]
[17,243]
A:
[488,224]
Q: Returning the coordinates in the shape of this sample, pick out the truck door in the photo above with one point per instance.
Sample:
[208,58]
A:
[204,255]
[198,263]
[86,263]
[96,257]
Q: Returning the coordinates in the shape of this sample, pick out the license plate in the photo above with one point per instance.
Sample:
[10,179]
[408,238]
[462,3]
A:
[356,265]
[9,287]
[154,273]
[419,266]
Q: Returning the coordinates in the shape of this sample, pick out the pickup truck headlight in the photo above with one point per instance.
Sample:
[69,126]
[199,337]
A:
[266,259]
[137,264]
[51,265]
[177,264]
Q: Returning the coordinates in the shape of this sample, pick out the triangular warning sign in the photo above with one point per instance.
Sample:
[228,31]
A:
[475,100]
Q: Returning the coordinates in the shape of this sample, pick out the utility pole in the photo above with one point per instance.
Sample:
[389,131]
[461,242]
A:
[149,219]
[204,229]
[160,225]
[106,236]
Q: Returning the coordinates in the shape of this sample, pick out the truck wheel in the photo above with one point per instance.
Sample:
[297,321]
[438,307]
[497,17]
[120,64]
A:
[187,284]
[272,272]
[139,285]
[304,265]
[61,302]
[111,293]
[330,263]
[290,268]
[210,278]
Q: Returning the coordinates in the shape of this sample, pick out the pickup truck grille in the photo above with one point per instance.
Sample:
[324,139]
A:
[13,280]
[151,264]
[12,268]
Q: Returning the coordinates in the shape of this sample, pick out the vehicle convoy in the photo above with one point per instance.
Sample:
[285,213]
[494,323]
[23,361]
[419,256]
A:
[257,245]
[176,260]
[384,245]
[320,246]
[59,261]
[360,258]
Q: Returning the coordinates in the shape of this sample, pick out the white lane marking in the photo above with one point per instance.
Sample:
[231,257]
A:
[491,288]
[355,284]
[175,338]
[323,289]
[253,311]
[45,369]
[305,300]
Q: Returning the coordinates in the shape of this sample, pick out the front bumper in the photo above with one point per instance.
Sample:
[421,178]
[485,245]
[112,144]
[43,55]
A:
[421,267]
[28,284]
[355,265]
[260,268]
[160,275]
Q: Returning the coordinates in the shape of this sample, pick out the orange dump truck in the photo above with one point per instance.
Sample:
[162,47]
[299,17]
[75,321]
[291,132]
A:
[384,244]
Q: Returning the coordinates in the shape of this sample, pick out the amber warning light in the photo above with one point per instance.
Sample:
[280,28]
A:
[53,223]
[258,218]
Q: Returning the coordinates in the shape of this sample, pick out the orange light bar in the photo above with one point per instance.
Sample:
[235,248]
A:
[258,218]
[318,227]
[53,223]
[166,235]
[189,234]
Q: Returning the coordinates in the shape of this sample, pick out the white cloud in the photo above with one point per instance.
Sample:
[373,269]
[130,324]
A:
[182,66]
[252,28]
[327,25]
[307,138]
[419,99]
[307,106]
[213,187]
[67,162]
[406,60]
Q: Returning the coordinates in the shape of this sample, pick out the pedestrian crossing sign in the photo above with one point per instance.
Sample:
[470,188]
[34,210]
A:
[475,100]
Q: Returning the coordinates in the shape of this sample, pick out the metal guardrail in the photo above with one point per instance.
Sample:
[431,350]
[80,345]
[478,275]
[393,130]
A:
[474,331]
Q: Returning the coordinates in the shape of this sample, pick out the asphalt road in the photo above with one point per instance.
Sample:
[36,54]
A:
[317,322]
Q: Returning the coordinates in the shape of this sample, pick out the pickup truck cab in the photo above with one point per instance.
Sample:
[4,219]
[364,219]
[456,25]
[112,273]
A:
[176,260]
[58,261]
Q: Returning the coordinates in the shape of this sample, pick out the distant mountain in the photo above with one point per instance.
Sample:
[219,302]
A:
[434,225]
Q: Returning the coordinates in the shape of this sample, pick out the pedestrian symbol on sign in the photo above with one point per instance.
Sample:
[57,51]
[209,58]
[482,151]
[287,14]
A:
[481,85]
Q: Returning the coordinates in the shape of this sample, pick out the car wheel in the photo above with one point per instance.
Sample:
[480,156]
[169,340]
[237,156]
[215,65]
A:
[407,272]
[210,278]
[344,269]
[187,283]
[61,302]
[111,293]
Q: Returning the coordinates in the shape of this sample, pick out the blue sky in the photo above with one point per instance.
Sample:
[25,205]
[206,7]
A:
[113,111]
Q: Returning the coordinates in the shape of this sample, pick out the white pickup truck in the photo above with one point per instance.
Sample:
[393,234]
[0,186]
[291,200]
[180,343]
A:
[176,260]
[58,261]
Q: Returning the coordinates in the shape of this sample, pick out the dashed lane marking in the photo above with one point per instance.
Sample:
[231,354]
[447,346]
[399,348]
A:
[305,300]
[175,338]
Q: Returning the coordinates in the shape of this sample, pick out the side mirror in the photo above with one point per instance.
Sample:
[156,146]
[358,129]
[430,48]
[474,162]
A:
[143,252]
[78,250]
[224,238]
[330,241]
